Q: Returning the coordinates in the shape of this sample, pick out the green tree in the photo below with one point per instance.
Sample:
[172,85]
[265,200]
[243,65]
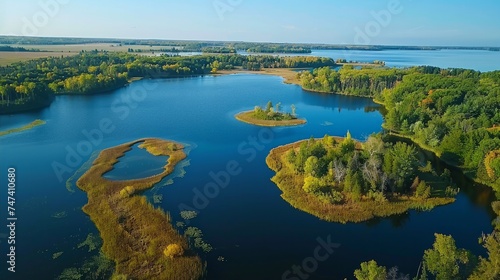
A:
[311,184]
[445,261]
[269,106]
[311,166]
[489,268]
[400,164]
[371,271]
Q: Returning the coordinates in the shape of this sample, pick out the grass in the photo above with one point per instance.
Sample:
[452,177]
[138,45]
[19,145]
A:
[248,117]
[29,126]
[134,233]
[291,183]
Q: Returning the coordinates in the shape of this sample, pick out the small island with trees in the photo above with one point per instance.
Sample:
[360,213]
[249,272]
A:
[270,116]
[342,180]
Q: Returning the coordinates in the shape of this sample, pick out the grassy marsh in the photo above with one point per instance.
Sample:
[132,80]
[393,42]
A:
[134,233]
[29,126]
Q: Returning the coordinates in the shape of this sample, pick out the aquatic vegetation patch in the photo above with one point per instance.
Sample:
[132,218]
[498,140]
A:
[29,126]
[188,215]
[56,255]
[92,241]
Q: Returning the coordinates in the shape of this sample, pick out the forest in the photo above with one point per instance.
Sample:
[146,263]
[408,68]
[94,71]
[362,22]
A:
[452,112]
[342,180]
[31,84]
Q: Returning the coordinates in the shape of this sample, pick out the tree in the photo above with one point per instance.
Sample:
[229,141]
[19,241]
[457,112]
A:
[371,271]
[374,145]
[489,268]
[445,261]
[269,106]
[294,109]
[311,184]
[173,250]
[400,164]
[291,156]
[347,145]
[311,166]
[339,171]
[278,107]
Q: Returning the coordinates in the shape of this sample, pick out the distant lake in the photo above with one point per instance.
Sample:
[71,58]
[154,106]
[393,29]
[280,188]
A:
[469,59]
[248,223]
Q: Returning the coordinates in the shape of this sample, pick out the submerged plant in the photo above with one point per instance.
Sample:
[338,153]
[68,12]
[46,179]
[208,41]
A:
[188,215]
[92,241]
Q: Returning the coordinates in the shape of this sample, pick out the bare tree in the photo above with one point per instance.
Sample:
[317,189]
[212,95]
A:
[340,170]
[383,182]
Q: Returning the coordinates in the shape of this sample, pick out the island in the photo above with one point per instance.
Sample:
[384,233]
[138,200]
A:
[270,116]
[343,180]
[29,126]
[132,230]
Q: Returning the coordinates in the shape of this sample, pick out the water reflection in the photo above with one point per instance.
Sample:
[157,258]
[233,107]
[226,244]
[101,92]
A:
[136,163]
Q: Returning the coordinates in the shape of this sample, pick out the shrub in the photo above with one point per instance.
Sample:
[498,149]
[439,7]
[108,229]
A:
[311,184]
[423,190]
[495,205]
[377,196]
[451,191]
[127,191]
[173,250]
[333,197]
[426,168]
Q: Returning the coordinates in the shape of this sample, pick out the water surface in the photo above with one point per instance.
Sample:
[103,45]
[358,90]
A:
[246,221]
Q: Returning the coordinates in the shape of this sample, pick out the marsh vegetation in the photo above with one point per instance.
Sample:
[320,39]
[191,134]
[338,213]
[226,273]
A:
[134,233]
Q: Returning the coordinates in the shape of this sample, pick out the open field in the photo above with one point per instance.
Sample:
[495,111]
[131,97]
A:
[90,47]
[7,58]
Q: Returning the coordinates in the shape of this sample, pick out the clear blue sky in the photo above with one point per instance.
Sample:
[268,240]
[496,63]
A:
[418,22]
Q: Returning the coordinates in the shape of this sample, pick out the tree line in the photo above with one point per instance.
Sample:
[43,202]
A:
[340,171]
[348,80]
[453,112]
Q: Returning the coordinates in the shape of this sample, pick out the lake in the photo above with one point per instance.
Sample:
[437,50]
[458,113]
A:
[446,58]
[259,235]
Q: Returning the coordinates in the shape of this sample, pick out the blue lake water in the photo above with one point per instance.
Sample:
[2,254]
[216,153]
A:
[260,235]
[135,164]
[469,59]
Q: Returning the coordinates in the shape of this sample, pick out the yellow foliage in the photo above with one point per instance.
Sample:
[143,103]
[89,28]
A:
[127,191]
[488,160]
[173,250]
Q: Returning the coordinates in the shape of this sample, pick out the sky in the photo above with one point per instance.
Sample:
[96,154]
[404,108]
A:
[367,22]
